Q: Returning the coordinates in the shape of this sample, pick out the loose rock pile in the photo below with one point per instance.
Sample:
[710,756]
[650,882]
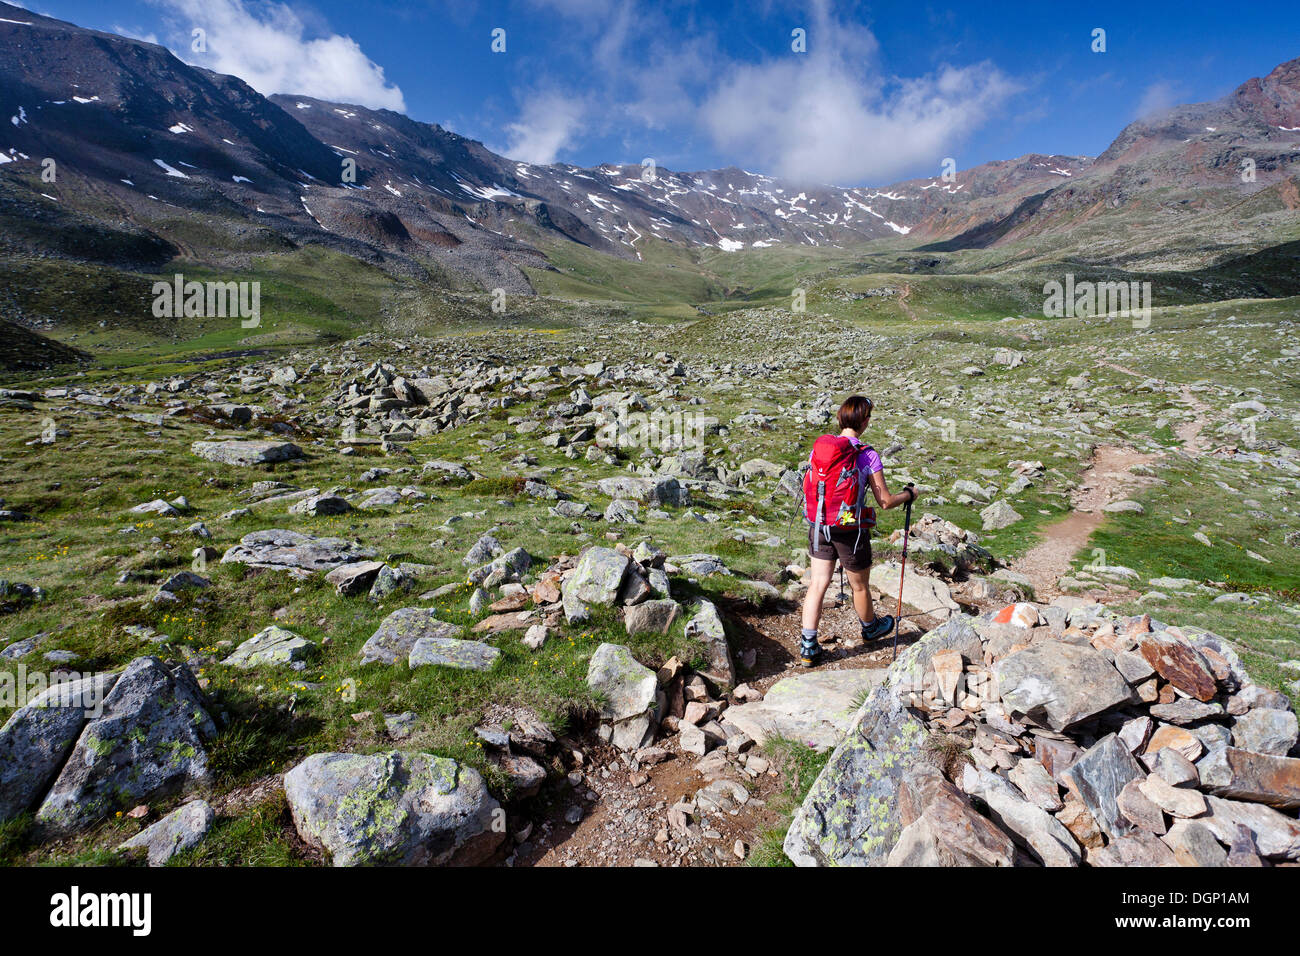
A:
[1060,735]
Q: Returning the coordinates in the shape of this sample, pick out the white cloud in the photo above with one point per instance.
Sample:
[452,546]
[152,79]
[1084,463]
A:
[829,115]
[826,122]
[550,122]
[271,48]
[1156,98]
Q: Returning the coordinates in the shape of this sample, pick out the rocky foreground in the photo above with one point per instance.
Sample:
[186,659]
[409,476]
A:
[1060,735]
[480,543]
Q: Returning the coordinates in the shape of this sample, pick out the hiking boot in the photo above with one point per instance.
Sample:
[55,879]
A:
[877,628]
[810,654]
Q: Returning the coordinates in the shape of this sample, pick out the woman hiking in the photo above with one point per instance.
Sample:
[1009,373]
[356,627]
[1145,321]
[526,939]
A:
[842,469]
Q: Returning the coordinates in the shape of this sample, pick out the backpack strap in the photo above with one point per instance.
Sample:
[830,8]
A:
[821,505]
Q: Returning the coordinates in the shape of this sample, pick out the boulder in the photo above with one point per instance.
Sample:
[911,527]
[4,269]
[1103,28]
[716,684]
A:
[180,830]
[396,808]
[850,816]
[651,617]
[272,646]
[699,565]
[628,692]
[398,633]
[37,738]
[245,453]
[354,578]
[1057,685]
[303,554]
[320,505]
[149,742]
[999,515]
[815,709]
[926,594]
[706,627]
[450,652]
[1266,730]
[597,577]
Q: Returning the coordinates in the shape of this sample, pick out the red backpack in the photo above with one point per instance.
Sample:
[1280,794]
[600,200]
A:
[834,490]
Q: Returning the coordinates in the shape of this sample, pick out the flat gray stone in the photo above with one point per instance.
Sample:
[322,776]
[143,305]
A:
[815,709]
[244,453]
[180,830]
[398,633]
[271,646]
[451,652]
[1058,685]
[278,549]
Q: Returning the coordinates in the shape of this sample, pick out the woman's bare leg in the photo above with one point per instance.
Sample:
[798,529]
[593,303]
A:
[858,580]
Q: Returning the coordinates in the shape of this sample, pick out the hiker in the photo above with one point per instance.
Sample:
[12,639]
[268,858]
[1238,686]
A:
[842,468]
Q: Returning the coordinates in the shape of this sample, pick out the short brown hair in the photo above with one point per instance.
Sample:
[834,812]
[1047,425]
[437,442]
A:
[854,412]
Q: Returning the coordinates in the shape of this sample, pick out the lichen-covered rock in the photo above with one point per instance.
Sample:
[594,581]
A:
[148,742]
[398,633]
[907,673]
[37,738]
[850,816]
[597,577]
[246,453]
[450,652]
[180,830]
[278,549]
[629,696]
[396,808]
[273,646]
[706,627]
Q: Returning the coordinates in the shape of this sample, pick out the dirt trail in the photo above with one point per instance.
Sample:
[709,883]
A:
[903,296]
[1107,479]
[1189,433]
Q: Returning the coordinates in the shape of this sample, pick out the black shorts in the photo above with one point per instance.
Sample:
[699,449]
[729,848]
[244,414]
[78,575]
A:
[851,547]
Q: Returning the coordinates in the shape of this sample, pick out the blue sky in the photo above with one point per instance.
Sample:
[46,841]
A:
[883,91]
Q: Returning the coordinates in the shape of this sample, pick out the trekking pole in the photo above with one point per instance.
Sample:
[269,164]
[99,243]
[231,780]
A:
[907,530]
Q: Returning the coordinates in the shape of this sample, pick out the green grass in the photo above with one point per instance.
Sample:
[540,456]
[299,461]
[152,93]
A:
[799,765]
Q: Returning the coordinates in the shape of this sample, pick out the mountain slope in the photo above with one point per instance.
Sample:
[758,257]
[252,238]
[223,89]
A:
[158,160]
